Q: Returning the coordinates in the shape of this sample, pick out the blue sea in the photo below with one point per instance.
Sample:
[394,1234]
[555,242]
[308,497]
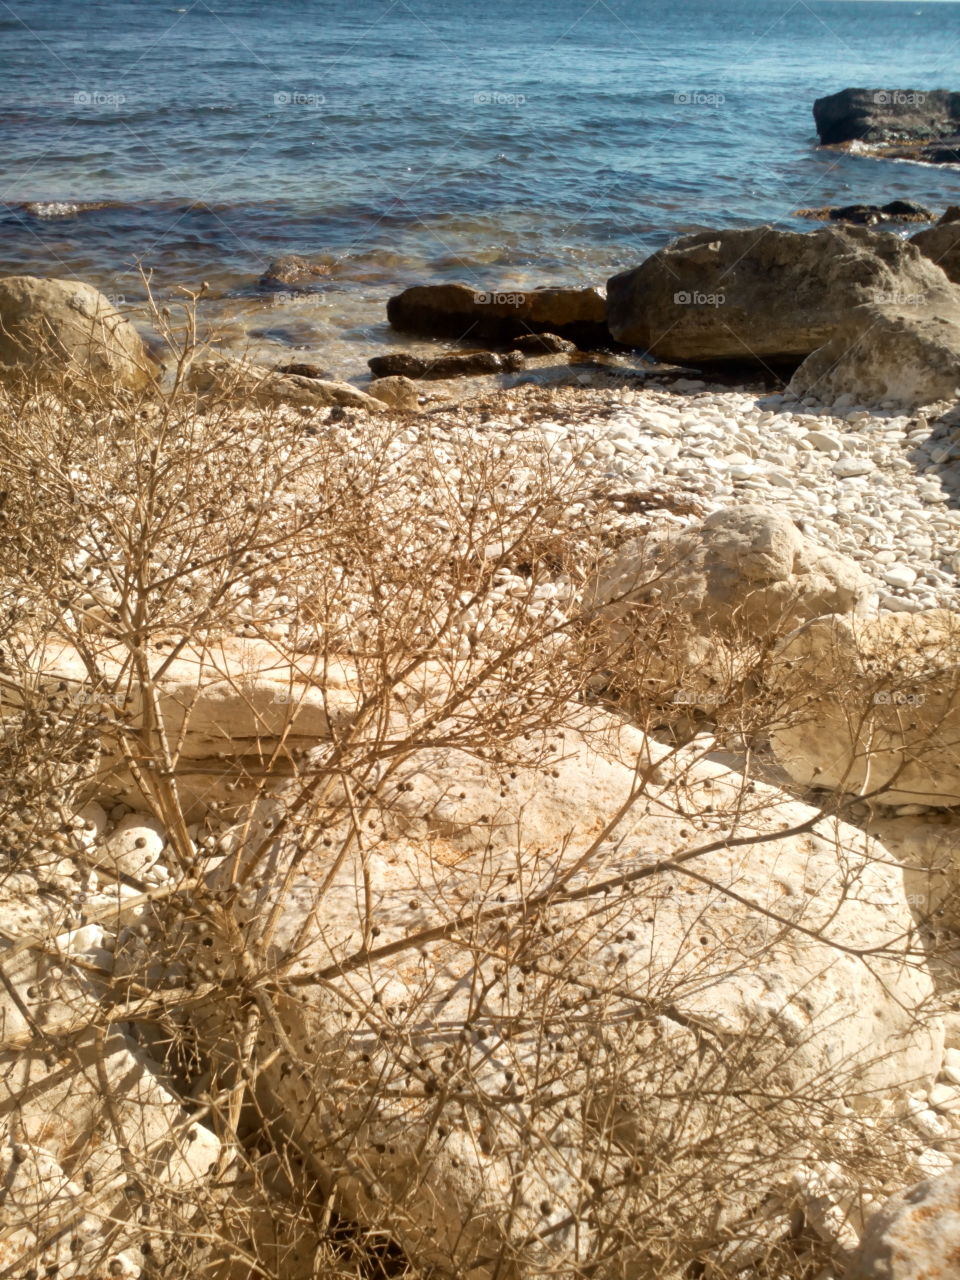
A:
[409,141]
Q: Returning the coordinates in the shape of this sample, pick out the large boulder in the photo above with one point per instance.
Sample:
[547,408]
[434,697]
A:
[763,293]
[64,329]
[740,578]
[483,1014]
[914,1236]
[887,115]
[871,706]
[941,244]
[233,712]
[908,355]
[464,312]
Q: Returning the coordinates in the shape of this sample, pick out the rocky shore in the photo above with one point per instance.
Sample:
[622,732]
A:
[472,819]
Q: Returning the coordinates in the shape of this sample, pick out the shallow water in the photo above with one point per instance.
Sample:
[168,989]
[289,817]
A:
[420,140]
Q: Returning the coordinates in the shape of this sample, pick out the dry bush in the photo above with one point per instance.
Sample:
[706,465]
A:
[437,577]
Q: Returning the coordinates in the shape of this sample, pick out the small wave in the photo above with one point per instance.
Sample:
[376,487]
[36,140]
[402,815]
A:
[48,209]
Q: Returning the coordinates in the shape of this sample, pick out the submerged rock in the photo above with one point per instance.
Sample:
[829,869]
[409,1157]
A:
[867,215]
[293,269]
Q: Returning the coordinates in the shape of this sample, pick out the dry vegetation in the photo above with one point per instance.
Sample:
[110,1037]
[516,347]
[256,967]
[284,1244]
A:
[428,586]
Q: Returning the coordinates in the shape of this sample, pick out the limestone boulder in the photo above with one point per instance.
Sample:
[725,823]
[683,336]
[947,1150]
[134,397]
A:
[218,377]
[908,354]
[740,577]
[53,329]
[397,392]
[914,1236]
[871,706]
[517,986]
[232,714]
[763,293]
[463,312]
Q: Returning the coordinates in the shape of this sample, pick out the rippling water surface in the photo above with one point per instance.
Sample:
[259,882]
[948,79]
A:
[418,140]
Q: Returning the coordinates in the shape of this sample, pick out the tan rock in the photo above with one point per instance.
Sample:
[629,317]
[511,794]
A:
[908,353]
[424,1103]
[744,575]
[914,1236]
[396,393]
[871,706]
[220,376]
[63,328]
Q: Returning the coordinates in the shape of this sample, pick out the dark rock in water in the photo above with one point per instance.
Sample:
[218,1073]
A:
[941,244]
[887,115]
[305,371]
[454,364]
[763,294]
[397,364]
[292,269]
[470,364]
[867,215]
[907,211]
[951,215]
[543,344]
[462,312]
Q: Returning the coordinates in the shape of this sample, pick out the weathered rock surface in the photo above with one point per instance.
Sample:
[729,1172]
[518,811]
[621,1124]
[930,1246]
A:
[763,293]
[871,705]
[396,392]
[907,354]
[463,312]
[941,244]
[228,710]
[687,607]
[221,376]
[914,1236]
[64,328]
[887,115]
[426,1105]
